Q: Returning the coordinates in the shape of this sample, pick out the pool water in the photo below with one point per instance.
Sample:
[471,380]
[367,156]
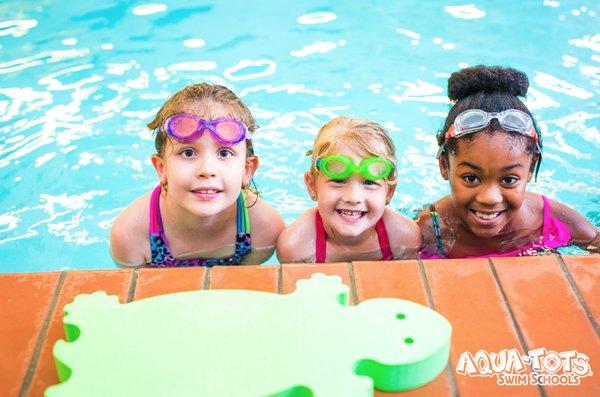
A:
[80,79]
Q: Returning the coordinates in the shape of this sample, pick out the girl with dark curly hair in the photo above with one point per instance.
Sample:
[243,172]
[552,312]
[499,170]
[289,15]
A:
[489,149]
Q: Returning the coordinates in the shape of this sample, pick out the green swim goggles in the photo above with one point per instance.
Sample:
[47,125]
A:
[339,166]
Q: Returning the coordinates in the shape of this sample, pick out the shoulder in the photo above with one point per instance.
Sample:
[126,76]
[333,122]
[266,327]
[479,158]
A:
[265,221]
[129,244]
[296,243]
[402,231]
[425,219]
[582,230]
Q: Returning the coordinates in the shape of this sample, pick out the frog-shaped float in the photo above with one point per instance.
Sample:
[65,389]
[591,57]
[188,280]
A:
[248,343]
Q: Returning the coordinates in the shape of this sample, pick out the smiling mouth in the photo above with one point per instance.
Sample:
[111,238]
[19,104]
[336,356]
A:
[206,191]
[349,214]
[487,216]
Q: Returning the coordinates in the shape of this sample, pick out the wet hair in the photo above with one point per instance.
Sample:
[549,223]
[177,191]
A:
[358,135]
[489,88]
[201,96]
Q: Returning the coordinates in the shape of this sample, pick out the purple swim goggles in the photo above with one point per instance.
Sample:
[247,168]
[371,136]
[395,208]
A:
[187,128]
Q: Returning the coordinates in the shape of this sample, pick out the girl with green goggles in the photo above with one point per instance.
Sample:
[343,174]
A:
[339,166]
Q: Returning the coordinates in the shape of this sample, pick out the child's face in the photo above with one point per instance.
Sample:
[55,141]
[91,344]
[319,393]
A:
[204,177]
[352,206]
[488,177]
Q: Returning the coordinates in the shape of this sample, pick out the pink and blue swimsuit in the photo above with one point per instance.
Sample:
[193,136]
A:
[554,234]
[162,256]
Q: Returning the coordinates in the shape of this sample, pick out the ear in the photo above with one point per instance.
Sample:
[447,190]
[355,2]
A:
[311,184]
[444,169]
[536,158]
[249,169]
[390,192]
[160,166]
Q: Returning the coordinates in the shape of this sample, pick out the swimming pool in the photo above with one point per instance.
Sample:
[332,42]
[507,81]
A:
[81,79]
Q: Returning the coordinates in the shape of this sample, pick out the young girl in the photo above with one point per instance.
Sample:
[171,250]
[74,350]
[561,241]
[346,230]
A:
[202,213]
[490,147]
[352,177]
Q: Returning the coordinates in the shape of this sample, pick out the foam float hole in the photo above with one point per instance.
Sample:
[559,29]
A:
[409,340]
[400,316]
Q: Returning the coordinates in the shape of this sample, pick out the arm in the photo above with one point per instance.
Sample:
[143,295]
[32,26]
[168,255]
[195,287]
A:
[266,225]
[583,233]
[297,242]
[129,245]
[404,233]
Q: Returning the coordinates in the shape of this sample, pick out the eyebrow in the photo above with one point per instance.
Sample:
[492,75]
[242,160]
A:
[475,167]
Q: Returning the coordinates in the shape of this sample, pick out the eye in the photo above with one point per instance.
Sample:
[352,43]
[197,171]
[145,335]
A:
[337,181]
[187,152]
[470,179]
[510,180]
[224,153]
[368,182]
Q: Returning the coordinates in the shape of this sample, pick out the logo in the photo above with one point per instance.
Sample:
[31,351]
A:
[537,367]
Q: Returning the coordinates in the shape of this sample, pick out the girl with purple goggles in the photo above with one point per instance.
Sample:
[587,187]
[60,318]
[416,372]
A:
[187,128]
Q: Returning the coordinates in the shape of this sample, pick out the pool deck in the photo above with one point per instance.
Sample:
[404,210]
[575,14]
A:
[524,303]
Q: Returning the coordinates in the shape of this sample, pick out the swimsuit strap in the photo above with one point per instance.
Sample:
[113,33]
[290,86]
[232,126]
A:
[384,242]
[437,230]
[320,239]
[155,225]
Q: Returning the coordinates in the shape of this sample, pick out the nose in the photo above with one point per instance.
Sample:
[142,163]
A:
[489,194]
[353,193]
[205,167]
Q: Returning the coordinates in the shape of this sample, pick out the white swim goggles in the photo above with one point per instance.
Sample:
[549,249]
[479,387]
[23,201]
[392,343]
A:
[474,120]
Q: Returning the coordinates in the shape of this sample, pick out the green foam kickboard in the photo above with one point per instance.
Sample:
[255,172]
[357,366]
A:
[248,343]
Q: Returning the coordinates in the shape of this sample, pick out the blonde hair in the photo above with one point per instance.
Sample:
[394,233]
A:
[200,94]
[360,136]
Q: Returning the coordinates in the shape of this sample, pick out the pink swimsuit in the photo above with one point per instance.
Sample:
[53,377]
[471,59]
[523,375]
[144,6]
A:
[321,240]
[554,234]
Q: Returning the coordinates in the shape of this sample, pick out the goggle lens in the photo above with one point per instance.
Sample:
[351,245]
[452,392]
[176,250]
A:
[378,169]
[183,127]
[228,130]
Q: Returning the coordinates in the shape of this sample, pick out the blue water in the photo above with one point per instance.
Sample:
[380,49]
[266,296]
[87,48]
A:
[80,79]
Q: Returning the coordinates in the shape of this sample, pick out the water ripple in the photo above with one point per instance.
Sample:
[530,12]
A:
[268,68]
[17,28]
[316,18]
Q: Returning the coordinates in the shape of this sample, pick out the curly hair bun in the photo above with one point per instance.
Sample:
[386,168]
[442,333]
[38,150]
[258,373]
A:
[488,79]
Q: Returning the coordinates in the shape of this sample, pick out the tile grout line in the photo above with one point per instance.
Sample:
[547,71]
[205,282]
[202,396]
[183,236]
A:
[42,336]
[353,292]
[207,277]
[280,279]
[577,293]
[132,285]
[511,314]
[425,282]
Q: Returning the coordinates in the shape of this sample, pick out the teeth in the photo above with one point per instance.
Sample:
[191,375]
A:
[206,191]
[351,214]
[486,216]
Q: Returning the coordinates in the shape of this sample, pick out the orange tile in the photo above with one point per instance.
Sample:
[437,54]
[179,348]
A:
[549,314]
[292,273]
[25,300]
[395,279]
[257,278]
[466,293]
[402,280]
[586,274]
[152,282]
[114,282]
